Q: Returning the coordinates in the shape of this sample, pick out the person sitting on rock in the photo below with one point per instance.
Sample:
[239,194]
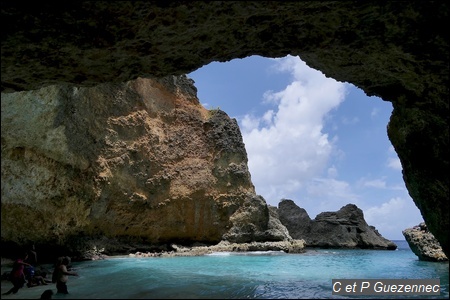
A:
[37,280]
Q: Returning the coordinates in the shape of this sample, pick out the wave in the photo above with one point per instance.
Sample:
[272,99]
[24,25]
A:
[227,253]
[219,254]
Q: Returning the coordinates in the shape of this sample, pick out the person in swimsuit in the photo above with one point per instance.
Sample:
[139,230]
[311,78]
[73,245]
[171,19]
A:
[17,276]
[62,275]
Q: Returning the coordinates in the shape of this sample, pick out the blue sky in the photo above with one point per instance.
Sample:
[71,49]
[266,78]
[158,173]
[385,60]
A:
[312,139]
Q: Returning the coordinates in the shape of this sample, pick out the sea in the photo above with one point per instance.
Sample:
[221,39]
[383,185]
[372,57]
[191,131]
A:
[244,275]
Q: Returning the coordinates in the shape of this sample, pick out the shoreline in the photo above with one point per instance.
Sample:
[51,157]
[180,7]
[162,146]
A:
[287,246]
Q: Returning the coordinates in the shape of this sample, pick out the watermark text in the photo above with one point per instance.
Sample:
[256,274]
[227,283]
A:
[386,287]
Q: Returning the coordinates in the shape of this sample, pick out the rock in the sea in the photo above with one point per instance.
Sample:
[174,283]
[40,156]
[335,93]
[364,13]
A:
[345,228]
[423,243]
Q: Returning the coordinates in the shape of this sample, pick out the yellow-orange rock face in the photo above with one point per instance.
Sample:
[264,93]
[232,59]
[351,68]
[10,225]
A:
[142,159]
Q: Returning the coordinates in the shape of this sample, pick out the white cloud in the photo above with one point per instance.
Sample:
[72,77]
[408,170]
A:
[332,172]
[379,183]
[394,163]
[268,97]
[268,117]
[393,216]
[330,188]
[286,146]
[249,123]
[374,112]
[351,121]
[375,183]
[328,194]
[398,187]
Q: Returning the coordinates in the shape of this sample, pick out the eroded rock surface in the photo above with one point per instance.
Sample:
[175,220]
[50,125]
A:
[396,50]
[140,161]
[424,244]
[345,228]
[287,246]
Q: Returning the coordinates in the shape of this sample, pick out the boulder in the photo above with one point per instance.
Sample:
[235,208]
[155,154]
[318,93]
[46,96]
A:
[424,244]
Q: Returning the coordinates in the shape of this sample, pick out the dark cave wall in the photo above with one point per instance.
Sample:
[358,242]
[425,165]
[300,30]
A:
[395,50]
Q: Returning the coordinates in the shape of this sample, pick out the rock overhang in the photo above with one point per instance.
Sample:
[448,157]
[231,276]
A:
[395,50]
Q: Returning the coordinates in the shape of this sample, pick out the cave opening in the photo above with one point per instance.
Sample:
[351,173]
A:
[312,139]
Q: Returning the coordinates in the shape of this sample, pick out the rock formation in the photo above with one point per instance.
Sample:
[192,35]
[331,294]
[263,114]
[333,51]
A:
[287,246]
[140,161]
[345,228]
[424,244]
[397,50]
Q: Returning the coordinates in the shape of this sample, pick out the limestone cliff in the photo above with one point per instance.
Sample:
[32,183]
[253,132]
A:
[141,161]
[397,50]
[345,228]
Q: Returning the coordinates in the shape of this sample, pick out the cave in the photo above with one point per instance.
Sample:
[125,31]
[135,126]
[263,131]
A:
[397,51]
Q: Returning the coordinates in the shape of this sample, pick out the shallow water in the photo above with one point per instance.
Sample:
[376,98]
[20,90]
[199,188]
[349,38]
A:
[260,275]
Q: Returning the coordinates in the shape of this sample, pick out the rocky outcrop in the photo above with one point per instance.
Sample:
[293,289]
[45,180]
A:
[287,246]
[424,244]
[345,228]
[396,50]
[250,218]
[140,161]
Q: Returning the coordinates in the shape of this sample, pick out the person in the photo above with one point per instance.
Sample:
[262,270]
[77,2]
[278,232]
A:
[61,274]
[37,280]
[43,275]
[17,275]
[32,261]
[32,256]
[31,275]
[47,294]
[55,270]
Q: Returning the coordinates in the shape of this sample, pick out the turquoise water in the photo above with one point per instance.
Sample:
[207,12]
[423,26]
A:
[261,275]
